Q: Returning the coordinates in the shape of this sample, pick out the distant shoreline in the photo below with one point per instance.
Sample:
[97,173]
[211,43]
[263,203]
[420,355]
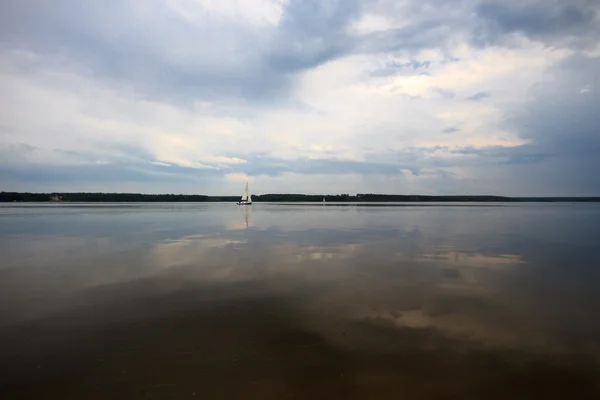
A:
[6,197]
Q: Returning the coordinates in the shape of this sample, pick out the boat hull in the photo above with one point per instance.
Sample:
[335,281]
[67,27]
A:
[244,203]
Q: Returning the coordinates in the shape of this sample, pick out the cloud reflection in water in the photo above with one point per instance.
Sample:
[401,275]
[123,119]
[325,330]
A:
[378,293]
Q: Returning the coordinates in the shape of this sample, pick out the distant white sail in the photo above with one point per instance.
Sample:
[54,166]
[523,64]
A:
[246,197]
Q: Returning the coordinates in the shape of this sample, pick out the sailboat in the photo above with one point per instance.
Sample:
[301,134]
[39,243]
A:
[246,198]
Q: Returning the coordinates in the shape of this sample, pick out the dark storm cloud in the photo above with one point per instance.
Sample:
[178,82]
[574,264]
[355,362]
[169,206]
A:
[564,121]
[551,21]
[523,154]
[478,96]
[103,173]
[145,171]
[565,105]
[562,125]
[113,153]
[319,166]
[312,33]
[541,18]
[451,129]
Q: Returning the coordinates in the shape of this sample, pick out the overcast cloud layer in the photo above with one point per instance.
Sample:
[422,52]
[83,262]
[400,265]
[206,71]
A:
[314,96]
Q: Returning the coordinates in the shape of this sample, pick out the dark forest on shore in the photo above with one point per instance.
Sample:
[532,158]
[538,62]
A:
[137,197]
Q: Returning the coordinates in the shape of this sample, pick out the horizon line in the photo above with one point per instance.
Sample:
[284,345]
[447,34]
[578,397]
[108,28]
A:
[300,194]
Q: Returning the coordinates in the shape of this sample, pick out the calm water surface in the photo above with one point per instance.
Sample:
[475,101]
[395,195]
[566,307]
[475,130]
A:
[300,301]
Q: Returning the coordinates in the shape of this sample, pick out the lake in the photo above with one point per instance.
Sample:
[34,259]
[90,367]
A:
[277,301]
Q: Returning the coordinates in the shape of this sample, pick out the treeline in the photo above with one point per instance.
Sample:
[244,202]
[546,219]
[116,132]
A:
[110,197]
[138,197]
[370,197]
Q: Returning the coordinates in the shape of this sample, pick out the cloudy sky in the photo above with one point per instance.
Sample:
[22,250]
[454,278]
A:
[389,96]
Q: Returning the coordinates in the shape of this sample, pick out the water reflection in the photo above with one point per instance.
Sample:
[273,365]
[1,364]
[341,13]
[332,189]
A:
[244,221]
[278,301]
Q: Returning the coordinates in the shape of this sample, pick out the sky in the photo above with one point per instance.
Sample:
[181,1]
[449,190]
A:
[312,96]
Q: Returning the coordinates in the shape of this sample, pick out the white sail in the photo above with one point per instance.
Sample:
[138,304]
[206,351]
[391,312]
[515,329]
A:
[245,195]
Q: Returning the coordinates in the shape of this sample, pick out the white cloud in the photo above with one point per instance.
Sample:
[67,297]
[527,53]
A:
[161,164]
[369,23]
[494,66]
[237,177]
[257,12]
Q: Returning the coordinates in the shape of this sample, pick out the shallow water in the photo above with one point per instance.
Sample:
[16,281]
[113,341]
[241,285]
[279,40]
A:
[315,301]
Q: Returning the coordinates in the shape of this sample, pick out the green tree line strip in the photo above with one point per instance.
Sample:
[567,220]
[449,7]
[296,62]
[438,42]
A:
[138,197]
